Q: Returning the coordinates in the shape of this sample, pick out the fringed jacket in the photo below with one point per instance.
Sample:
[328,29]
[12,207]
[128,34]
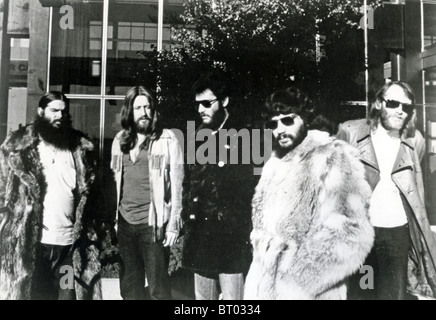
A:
[166,177]
[311,228]
[22,189]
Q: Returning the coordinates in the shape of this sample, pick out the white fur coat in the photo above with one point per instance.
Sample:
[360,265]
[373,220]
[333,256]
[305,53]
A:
[311,229]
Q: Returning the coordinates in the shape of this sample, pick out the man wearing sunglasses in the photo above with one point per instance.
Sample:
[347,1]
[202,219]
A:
[404,254]
[216,201]
[311,229]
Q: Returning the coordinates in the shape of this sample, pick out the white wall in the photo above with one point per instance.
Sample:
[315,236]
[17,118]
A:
[17,108]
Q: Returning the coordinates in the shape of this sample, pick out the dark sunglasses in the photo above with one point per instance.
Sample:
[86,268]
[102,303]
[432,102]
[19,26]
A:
[205,103]
[393,104]
[287,121]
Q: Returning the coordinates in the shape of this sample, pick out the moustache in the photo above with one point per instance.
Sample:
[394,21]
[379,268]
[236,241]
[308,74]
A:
[284,136]
[144,118]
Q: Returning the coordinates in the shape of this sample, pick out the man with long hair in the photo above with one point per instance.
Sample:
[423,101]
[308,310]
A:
[48,246]
[147,161]
[391,148]
[311,229]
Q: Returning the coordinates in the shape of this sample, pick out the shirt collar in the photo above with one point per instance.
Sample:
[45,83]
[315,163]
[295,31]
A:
[222,124]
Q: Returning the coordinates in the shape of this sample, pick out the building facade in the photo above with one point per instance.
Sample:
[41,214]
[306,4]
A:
[94,50]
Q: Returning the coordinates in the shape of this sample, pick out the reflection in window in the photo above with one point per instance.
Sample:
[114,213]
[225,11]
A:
[430,85]
[85,115]
[136,36]
[429,24]
[95,35]
[74,52]
[18,66]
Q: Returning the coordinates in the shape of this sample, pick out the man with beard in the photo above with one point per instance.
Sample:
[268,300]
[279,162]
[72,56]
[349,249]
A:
[216,199]
[311,229]
[47,241]
[404,254]
[147,161]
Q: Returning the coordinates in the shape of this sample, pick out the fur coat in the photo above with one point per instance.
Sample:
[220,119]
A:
[22,189]
[311,229]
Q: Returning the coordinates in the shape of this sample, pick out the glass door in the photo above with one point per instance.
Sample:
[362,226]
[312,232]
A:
[430,136]
[97,51]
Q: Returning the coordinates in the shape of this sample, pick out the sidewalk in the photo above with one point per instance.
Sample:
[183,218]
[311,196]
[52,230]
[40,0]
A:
[110,289]
[182,287]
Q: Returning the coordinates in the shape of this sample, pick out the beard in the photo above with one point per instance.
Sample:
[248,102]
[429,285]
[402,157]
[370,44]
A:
[60,137]
[281,151]
[143,128]
[214,121]
[391,122]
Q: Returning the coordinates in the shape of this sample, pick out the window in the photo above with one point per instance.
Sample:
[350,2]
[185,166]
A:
[429,11]
[96,80]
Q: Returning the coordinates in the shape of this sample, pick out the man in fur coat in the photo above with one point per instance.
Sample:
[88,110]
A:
[311,228]
[48,247]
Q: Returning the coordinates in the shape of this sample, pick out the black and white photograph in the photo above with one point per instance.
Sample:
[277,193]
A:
[216,150]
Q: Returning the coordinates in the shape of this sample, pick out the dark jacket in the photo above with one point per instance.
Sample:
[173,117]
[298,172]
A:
[407,176]
[217,211]
[22,187]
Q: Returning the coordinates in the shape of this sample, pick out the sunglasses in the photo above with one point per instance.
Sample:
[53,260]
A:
[287,121]
[205,103]
[393,104]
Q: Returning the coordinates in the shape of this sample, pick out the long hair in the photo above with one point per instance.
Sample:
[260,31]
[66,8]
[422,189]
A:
[63,137]
[374,116]
[52,96]
[129,136]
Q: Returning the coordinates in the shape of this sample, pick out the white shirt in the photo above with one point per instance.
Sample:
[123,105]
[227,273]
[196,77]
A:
[386,207]
[58,214]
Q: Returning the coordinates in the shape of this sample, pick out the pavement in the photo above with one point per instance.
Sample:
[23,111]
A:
[182,287]
[111,289]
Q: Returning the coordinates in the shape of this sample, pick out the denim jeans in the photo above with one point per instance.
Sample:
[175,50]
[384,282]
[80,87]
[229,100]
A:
[388,259]
[142,259]
[54,279]
[230,285]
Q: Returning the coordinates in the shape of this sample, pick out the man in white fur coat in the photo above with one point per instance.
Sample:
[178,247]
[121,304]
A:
[311,228]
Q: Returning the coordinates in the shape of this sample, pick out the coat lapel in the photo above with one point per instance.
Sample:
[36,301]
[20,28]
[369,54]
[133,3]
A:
[403,160]
[366,148]
[23,150]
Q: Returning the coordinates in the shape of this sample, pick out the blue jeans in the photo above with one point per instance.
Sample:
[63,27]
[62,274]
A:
[141,259]
[230,285]
[54,279]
